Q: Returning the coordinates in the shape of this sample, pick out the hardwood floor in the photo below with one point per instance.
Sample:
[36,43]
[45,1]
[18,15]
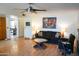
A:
[24,47]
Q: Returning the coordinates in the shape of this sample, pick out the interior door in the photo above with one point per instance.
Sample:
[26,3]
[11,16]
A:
[2,28]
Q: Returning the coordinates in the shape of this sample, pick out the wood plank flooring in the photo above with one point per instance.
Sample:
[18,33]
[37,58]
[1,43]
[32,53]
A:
[24,47]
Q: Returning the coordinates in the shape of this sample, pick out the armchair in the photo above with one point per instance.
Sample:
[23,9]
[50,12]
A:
[67,47]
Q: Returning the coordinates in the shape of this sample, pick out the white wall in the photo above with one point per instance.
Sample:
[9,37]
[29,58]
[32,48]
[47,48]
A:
[69,17]
[7,27]
[28,29]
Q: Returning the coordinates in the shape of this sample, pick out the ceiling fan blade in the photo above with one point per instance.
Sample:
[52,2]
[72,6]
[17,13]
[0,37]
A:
[23,11]
[38,10]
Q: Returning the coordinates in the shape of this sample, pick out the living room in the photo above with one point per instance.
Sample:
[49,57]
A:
[27,24]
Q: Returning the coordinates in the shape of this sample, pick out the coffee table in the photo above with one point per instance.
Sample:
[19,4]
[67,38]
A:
[40,42]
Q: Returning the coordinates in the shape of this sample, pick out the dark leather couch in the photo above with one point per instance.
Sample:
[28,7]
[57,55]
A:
[49,35]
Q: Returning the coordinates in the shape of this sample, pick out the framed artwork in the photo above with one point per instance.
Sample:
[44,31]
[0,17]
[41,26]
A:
[27,23]
[49,22]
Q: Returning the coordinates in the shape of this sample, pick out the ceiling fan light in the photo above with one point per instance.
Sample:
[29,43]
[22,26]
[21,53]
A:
[23,14]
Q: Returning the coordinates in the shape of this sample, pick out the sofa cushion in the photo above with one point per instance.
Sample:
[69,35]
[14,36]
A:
[57,35]
[40,34]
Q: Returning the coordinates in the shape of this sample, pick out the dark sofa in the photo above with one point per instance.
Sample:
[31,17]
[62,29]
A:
[49,35]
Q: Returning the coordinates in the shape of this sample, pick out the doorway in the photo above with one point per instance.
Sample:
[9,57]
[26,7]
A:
[12,26]
[2,28]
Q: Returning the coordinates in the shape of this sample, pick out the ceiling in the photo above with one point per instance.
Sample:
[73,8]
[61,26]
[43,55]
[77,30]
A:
[10,8]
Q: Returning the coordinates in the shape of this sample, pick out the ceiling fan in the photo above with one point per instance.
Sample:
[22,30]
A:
[31,9]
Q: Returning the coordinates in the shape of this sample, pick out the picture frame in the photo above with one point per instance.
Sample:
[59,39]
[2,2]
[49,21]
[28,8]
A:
[27,23]
[49,22]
